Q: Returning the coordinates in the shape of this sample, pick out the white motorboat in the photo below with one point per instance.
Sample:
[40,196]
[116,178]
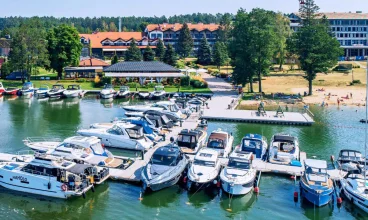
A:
[159,92]
[349,160]
[43,91]
[107,92]
[73,91]
[143,94]
[238,177]
[191,141]
[79,149]
[51,176]
[204,170]
[220,141]
[255,143]
[284,149]
[27,90]
[57,91]
[124,135]
[168,107]
[123,92]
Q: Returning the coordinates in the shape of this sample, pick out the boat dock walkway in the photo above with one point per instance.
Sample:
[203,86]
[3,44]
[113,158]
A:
[133,172]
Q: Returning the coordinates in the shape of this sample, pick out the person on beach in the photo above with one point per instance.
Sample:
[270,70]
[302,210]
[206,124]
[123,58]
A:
[351,95]
[338,102]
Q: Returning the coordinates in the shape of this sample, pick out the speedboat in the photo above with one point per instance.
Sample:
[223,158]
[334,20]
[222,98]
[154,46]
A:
[79,149]
[284,149]
[51,176]
[27,90]
[204,170]
[315,184]
[123,92]
[43,91]
[350,159]
[159,93]
[11,91]
[159,119]
[123,135]
[73,91]
[355,188]
[57,91]
[238,177]
[2,89]
[167,107]
[221,141]
[255,143]
[164,169]
[191,141]
[107,92]
[143,94]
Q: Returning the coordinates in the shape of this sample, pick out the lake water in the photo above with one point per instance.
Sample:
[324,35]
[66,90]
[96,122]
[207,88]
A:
[335,129]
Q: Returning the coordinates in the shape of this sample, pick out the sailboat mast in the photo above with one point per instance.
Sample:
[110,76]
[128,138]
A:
[366,126]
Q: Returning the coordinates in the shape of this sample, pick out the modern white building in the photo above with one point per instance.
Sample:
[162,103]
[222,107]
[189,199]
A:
[350,29]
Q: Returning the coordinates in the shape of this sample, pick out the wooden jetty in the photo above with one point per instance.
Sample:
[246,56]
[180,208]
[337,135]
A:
[252,116]
[133,172]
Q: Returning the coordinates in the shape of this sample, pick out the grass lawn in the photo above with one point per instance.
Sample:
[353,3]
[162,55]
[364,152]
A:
[89,86]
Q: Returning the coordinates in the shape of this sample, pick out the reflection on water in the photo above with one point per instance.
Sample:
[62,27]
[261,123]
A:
[335,129]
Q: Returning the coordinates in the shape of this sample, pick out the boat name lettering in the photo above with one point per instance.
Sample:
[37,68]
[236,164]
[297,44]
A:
[21,178]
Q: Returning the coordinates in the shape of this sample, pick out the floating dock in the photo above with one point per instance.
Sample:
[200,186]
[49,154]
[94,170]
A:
[252,116]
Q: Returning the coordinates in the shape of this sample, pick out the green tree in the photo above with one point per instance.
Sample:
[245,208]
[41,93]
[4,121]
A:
[224,32]
[204,53]
[149,54]
[18,53]
[114,59]
[317,49]
[185,42]
[133,53]
[6,69]
[282,33]
[170,56]
[143,26]
[160,49]
[64,47]
[220,55]
[112,27]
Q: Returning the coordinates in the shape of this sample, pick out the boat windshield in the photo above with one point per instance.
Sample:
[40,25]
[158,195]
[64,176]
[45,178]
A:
[135,132]
[115,130]
[57,87]
[204,163]
[215,144]
[251,144]
[69,145]
[97,148]
[124,88]
[108,86]
[73,87]
[43,87]
[238,165]
[165,160]
[165,119]
[26,87]
[186,138]
[173,108]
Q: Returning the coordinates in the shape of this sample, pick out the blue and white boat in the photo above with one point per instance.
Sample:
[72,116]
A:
[27,90]
[315,184]
[255,143]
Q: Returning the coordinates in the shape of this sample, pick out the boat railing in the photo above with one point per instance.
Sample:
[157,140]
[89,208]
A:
[35,172]
[25,152]
[41,139]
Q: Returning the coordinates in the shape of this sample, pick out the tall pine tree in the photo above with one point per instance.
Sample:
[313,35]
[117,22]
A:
[185,42]
[160,49]
[220,55]
[170,56]
[204,55]
[133,53]
[149,54]
[114,59]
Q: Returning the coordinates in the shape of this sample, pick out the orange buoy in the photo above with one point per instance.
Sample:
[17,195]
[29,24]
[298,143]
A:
[256,189]
[185,179]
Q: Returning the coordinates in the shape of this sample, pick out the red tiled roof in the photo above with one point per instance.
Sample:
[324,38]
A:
[96,38]
[92,62]
[124,47]
[177,27]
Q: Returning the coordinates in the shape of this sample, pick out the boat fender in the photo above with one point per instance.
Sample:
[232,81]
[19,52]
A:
[218,183]
[215,182]
[64,187]
[49,185]
[256,189]
[84,195]
[296,196]
[339,200]
[93,188]
[185,179]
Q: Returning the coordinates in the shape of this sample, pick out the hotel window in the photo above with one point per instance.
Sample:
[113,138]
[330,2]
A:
[196,35]
[338,28]
[159,35]
[153,36]
[208,35]
[119,44]
[349,28]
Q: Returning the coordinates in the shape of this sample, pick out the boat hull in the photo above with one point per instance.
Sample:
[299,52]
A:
[355,199]
[11,92]
[72,95]
[54,95]
[159,186]
[41,94]
[143,95]
[317,198]
[107,96]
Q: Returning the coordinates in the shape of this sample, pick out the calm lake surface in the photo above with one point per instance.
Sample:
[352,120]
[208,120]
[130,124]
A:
[335,129]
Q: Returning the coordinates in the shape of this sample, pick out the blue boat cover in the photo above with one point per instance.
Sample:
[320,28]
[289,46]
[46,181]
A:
[295,163]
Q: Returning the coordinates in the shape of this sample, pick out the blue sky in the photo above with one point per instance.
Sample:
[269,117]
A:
[91,8]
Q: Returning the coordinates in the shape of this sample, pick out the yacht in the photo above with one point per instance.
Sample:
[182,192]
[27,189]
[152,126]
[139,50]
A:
[356,190]
[107,92]
[51,176]
[143,94]
[164,169]
[126,136]
[27,90]
[349,160]
[79,149]
[123,92]
[255,143]
[238,177]
[11,91]
[220,141]
[159,92]
[204,170]
[284,149]
[43,91]
[57,91]
[73,91]
[191,141]
[168,107]
[315,184]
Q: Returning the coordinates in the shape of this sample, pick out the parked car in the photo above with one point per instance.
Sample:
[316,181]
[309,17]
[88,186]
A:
[16,76]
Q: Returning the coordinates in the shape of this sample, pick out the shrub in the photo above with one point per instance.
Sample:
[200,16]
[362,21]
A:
[80,80]
[106,80]
[356,81]
[184,81]
[133,85]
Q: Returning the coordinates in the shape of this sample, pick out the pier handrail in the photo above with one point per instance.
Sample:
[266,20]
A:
[309,113]
[41,139]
